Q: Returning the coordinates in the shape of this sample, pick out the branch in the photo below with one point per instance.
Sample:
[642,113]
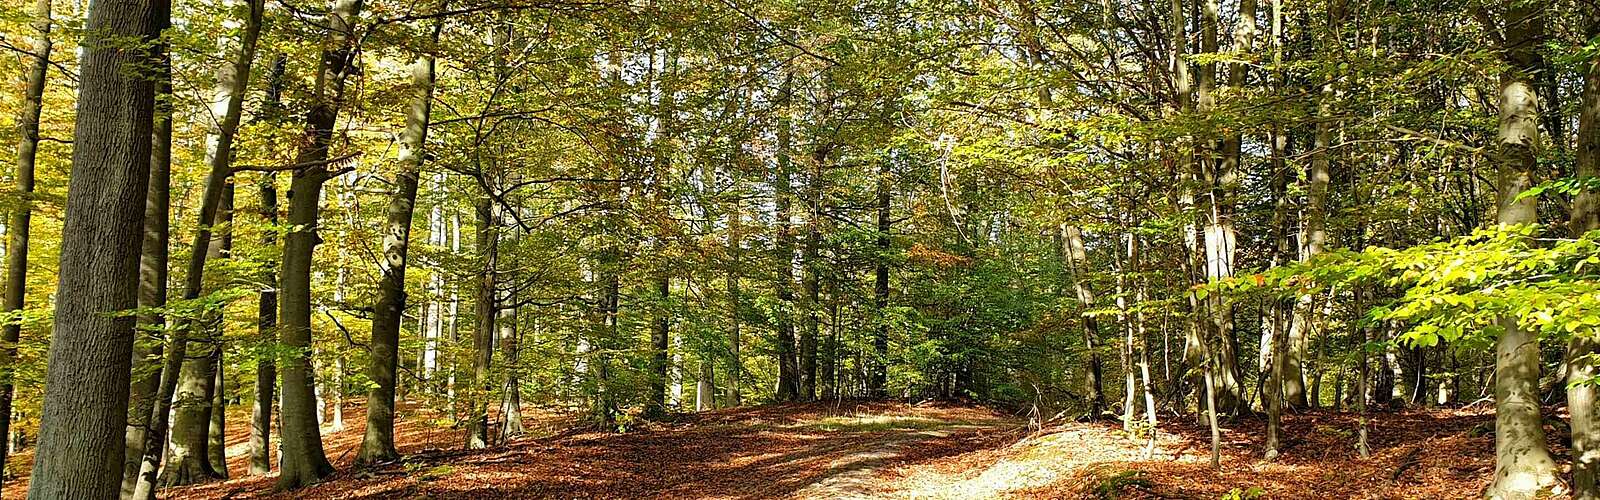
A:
[775,34]
[298,166]
[1421,136]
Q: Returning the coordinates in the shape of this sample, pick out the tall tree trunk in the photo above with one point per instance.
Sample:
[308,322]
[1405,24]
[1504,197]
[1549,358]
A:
[81,449]
[16,290]
[484,312]
[377,442]
[216,439]
[878,367]
[511,398]
[189,462]
[267,303]
[660,345]
[1278,310]
[1585,217]
[1523,467]
[1314,239]
[810,280]
[788,367]
[735,299]
[1077,263]
[1218,172]
[303,459]
[153,276]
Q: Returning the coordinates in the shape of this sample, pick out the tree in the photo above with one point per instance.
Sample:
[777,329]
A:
[377,444]
[1585,217]
[303,459]
[80,450]
[1523,466]
[21,217]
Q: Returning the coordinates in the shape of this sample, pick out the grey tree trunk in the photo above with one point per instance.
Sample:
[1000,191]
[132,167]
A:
[487,244]
[189,462]
[1077,263]
[788,365]
[1523,467]
[511,398]
[81,450]
[1278,310]
[735,299]
[216,439]
[1585,217]
[16,290]
[377,443]
[1314,241]
[303,459]
[147,348]
[267,303]
[1217,174]
[811,281]
[878,367]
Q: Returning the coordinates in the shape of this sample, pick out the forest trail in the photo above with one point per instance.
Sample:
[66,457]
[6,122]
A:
[894,450]
[817,450]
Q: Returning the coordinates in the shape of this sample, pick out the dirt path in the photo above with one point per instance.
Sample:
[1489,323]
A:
[781,451]
[894,450]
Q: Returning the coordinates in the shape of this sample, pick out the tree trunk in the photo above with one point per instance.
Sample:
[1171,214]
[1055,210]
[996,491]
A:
[153,276]
[1077,263]
[660,345]
[1278,310]
[735,300]
[189,459]
[1523,467]
[1585,217]
[1313,243]
[788,367]
[80,449]
[267,303]
[878,367]
[16,290]
[377,442]
[511,399]
[1218,174]
[484,312]
[303,459]
[811,281]
[216,439]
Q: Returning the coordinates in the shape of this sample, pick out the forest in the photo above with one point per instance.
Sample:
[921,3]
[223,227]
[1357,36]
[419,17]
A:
[800,249]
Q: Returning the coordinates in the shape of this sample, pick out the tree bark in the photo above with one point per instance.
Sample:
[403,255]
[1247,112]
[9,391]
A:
[1585,217]
[153,275]
[267,303]
[1523,467]
[735,299]
[1314,239]
[377,442]
[788,366]
[189,461]
[81,450]
[216,439]
[303,459]
[811,279]
[21,217]
[1218,174]
[511,398]
[484,311]
[1077,263]
[878,367]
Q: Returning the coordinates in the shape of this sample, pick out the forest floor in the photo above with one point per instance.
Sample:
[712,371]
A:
[896,450]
